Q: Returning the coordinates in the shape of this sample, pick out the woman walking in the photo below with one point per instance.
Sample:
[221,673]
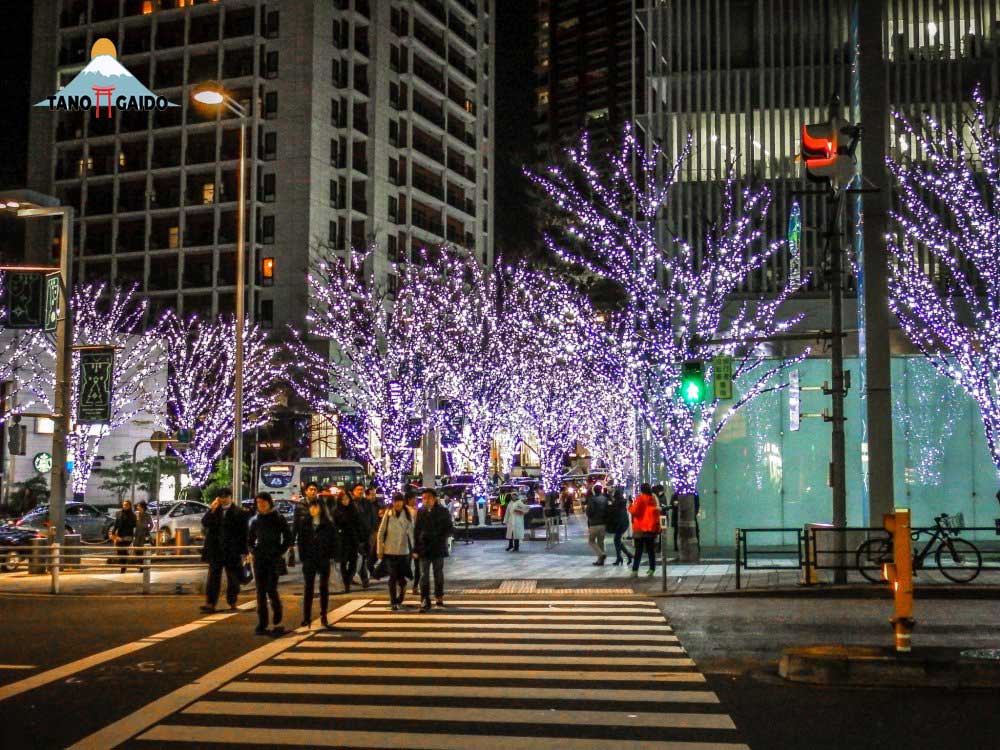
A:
[645,512]
[618,524]
[316,543]
[122,532]
[347,525]
[143,529]
[269,540]
[394,544]
[516,509]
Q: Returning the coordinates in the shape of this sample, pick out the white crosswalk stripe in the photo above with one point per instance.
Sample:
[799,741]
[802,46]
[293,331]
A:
[481,674]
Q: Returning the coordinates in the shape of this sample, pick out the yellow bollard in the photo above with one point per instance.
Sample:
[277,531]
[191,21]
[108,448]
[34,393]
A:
[899,573]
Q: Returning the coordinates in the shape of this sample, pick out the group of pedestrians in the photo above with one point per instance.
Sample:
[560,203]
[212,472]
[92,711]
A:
[406,544]
[132,530]
[613,514]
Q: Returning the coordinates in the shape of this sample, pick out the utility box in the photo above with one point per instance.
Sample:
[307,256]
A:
[38,555]
[70,552]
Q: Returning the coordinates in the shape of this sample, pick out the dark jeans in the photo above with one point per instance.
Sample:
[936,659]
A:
[123,551]
[348,566]
[620,547]
[416,575]
[265,571]
[426,566]
[647,543]
[362,566]
[309,572]
[397,577]
[214,583]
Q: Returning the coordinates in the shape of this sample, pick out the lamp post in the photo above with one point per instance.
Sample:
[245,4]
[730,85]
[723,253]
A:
[212,94]
[27,204]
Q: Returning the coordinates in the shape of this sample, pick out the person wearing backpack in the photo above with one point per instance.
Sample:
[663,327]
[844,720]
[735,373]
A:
[645,512]
[395,544]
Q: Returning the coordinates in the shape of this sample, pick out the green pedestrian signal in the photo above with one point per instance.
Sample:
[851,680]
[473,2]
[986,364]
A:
[693,389]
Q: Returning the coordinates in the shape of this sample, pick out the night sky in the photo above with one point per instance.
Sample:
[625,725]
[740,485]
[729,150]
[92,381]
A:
[514,110]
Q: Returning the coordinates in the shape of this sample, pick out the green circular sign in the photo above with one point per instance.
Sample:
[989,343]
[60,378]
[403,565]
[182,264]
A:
[42,463]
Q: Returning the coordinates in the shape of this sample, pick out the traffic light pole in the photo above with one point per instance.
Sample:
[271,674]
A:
[837,391]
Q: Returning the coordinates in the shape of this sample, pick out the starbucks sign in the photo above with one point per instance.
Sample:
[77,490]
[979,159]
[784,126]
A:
[42,463]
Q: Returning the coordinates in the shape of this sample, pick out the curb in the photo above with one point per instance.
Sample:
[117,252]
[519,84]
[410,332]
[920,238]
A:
[881,666]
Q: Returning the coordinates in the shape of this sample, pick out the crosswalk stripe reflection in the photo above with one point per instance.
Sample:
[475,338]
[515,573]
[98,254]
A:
[409,648]
[484,674]
[382,656]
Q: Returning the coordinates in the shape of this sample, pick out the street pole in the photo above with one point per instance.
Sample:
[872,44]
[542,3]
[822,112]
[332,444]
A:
[838,472]
[240,292]
[59,477]
[873,82]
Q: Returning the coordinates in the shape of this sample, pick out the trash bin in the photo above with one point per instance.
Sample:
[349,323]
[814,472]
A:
[38,555]
[71,552]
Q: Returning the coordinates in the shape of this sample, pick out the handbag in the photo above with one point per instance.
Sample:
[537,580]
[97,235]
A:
[246,574]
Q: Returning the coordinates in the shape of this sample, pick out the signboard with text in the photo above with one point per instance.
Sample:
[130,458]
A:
[96,369]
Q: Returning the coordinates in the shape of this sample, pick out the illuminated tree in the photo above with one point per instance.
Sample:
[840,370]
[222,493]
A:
[945,283]
[201,385]
[680,292]
[104,316]
[379,377]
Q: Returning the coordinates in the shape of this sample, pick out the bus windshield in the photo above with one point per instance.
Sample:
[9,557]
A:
[276,475]
[326,477]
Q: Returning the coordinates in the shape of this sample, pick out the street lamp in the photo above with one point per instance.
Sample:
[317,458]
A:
[27,204]
[212,94]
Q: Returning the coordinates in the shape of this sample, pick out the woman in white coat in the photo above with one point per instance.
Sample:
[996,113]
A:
[514,518]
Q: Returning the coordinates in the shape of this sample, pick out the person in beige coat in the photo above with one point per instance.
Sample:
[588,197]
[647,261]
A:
[394,545]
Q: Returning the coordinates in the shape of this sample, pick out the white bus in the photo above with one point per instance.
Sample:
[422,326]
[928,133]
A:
[285,479]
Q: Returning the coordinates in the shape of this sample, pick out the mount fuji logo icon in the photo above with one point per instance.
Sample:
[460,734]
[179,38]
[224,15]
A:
[106,83]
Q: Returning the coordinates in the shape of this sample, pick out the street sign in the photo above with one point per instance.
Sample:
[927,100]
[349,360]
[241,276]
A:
[97,366]
[722,377]
[51,315]
[794,400]
[24,298]
[795,245]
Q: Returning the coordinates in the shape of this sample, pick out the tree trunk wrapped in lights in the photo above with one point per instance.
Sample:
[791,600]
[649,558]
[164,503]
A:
[680,292]
[201,386]
[945,282]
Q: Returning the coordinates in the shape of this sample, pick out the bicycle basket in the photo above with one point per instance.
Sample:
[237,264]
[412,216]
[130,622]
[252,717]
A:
[956,521]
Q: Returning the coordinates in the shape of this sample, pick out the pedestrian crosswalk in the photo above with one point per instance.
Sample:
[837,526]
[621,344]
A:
[518,675]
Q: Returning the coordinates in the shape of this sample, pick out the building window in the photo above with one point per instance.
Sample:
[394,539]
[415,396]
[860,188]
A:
[271,104]
[174,237]
[394,132]
[271,24]
[393,209]
[332,234]
[268,184]
[267,230]
[271,64]
[393,171]
[333,193]
[334,153]
[208,193]
[392,248]
[270,145]
[392,283]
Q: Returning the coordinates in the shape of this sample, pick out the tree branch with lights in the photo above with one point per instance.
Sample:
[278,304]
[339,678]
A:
[947,219]
[681,292]
[201,385]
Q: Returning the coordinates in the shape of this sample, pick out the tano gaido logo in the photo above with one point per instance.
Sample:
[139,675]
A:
[104,83]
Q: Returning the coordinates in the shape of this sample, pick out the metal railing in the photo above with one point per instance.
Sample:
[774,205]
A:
[53,559]
[819,547]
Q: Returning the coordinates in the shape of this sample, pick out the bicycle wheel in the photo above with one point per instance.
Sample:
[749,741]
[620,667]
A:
[958,560]
[872,554]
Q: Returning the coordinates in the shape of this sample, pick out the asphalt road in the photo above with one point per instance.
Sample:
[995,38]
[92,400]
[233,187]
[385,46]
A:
[736,642]
[473,676]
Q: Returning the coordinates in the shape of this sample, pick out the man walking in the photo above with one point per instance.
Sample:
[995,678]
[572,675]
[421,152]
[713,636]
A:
[597,520]
[269,539]
[225,525]
[368,523]
[431,532]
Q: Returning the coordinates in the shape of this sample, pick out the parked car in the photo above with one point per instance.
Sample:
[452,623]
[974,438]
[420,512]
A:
[89,521]
[285,507]
[186,514]
[13,536]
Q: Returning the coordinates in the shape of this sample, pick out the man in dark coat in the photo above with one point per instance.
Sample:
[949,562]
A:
[431,532]
[225,525]
[597,505]
[269,539]
[123,531]
[368,523]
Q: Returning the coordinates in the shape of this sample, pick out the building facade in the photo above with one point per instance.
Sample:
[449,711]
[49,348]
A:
[370,123]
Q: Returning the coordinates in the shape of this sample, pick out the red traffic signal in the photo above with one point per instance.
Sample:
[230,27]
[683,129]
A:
[827,148]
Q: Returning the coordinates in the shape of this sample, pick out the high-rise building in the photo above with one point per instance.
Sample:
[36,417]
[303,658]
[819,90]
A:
[583,67]
[370,123]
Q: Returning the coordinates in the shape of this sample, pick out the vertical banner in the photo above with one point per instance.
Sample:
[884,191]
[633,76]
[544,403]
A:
[51,317]
[722,377]
[795,244]
[24,299]
[97,365]
[794,400]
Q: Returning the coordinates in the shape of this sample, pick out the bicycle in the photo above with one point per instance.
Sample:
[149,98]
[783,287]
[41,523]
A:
[958,559]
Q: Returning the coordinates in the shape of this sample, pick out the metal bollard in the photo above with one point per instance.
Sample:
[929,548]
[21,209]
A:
[54,567]
[36,556]
[663,552]
[182,539]
[146,571]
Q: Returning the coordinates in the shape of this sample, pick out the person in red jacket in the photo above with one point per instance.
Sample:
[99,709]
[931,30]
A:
[645,512]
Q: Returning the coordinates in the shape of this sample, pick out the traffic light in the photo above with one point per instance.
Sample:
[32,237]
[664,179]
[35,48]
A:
[17,437]
[693,390]
[828,149]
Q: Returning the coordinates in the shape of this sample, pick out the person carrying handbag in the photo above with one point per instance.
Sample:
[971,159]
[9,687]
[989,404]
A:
[394,546]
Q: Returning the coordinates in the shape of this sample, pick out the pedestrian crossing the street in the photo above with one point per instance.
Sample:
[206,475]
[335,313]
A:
[481,673]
